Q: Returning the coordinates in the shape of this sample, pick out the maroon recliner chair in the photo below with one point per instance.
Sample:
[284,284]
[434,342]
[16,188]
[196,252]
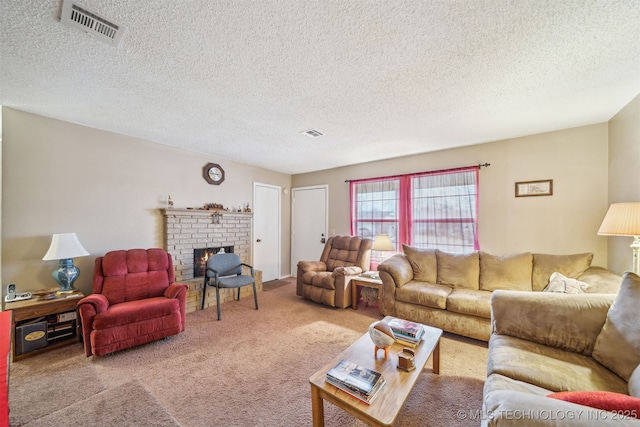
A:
[134,301]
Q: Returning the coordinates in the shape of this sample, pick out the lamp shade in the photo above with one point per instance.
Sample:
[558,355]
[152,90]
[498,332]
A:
[622,219]
[382,242]
[63,246]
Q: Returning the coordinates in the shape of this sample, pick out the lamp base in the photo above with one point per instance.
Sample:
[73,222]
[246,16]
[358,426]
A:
[66,275]
[635,247]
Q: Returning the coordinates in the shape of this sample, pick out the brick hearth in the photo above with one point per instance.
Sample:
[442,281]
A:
[189,229]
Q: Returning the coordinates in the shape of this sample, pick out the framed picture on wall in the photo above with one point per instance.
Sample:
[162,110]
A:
[534,188]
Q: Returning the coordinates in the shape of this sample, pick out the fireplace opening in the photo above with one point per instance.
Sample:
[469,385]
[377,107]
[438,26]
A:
[200,257]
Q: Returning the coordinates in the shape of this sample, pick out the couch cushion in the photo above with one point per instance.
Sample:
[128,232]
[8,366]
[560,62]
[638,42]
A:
[319,279]
[634,382]
[549,367]
[619,403]
[425,294]
[470,301]
[544,265]
[618,344]
[506,272]
[564,285]
[344,252]
[601,280]
[136,311]
[458,270]
[423,262]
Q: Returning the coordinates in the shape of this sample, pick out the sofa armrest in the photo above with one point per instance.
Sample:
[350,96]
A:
[179,291]
[99,302]
[306,266]
[601,280]
[399,269]
[567,321]
[88,307]
[347,271]
[174,290]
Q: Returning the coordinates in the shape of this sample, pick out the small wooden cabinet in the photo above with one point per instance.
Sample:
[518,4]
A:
[58,315]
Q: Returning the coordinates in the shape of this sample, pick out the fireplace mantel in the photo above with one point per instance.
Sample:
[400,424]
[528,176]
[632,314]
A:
[189,229]
[202,212]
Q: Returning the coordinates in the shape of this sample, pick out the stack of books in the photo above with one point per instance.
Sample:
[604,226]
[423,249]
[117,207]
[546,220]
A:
[358,381]
[406,332]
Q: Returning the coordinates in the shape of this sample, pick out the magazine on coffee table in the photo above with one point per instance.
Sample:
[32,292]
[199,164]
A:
[360,382]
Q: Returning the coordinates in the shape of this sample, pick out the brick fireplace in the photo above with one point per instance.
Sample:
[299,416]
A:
[186,230]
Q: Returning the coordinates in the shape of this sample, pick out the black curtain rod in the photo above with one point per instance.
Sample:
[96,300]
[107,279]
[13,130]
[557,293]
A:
[481,165]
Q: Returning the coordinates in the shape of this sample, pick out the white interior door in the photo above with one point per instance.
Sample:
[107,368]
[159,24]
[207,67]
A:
[266,230]
[309,223]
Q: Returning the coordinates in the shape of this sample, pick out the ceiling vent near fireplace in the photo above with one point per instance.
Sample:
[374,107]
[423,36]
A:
[77,16]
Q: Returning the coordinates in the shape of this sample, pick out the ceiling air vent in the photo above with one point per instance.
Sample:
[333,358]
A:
[79,17]
[313,133]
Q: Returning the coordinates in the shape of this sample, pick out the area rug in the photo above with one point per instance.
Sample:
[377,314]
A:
[130,404]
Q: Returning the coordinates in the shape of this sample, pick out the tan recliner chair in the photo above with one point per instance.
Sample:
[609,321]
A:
[328,281]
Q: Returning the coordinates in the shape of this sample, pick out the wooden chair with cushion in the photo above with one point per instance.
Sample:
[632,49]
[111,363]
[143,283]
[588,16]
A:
[328,281]
[134,301]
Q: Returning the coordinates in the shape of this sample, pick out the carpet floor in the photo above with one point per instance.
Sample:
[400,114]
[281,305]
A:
[277,283]
[249,369]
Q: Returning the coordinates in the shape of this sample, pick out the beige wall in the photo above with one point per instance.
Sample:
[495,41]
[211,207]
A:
[60,177]
[624,184]
[567,222]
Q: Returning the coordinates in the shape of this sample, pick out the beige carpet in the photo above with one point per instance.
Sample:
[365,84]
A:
[275,284]
[127,405]
[252,369]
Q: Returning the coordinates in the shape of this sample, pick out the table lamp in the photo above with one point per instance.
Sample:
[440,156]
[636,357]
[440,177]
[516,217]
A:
[382,243]
[623,219]
[64,247]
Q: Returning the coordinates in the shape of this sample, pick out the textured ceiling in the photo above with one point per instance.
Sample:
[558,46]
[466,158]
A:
[240,80]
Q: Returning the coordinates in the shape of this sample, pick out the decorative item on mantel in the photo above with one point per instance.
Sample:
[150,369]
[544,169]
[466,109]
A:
[170,202]
[382,337]
[216,217]
[213,206]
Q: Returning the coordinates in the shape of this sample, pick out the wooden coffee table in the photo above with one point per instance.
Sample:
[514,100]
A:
[386,406]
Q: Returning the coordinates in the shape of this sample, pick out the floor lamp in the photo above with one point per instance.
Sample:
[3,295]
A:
[623,219]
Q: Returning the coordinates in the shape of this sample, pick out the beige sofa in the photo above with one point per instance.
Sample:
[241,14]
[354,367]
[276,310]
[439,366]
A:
[580,345]
[453,291]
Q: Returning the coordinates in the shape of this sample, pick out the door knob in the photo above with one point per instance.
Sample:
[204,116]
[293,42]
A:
[322,239]
[258,240]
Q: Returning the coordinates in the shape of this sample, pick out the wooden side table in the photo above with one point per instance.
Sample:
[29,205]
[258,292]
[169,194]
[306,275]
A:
[29,311]
[368,282]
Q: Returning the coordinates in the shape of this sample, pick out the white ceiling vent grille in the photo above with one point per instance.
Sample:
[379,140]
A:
[313,133]
[79,17]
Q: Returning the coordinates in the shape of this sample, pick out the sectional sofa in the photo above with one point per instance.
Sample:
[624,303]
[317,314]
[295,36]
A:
[453,291]
[565,360]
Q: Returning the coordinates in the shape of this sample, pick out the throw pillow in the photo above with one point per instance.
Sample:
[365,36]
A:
[571,266]
[458,270]
[621,404]
[423,262]
[505,272]
[560,284]
[618,344]
[634,382]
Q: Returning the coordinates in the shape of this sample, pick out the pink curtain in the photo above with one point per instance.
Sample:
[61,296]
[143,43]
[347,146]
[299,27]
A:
[429,210]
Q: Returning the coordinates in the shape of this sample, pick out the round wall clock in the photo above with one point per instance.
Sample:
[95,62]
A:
[213,173]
